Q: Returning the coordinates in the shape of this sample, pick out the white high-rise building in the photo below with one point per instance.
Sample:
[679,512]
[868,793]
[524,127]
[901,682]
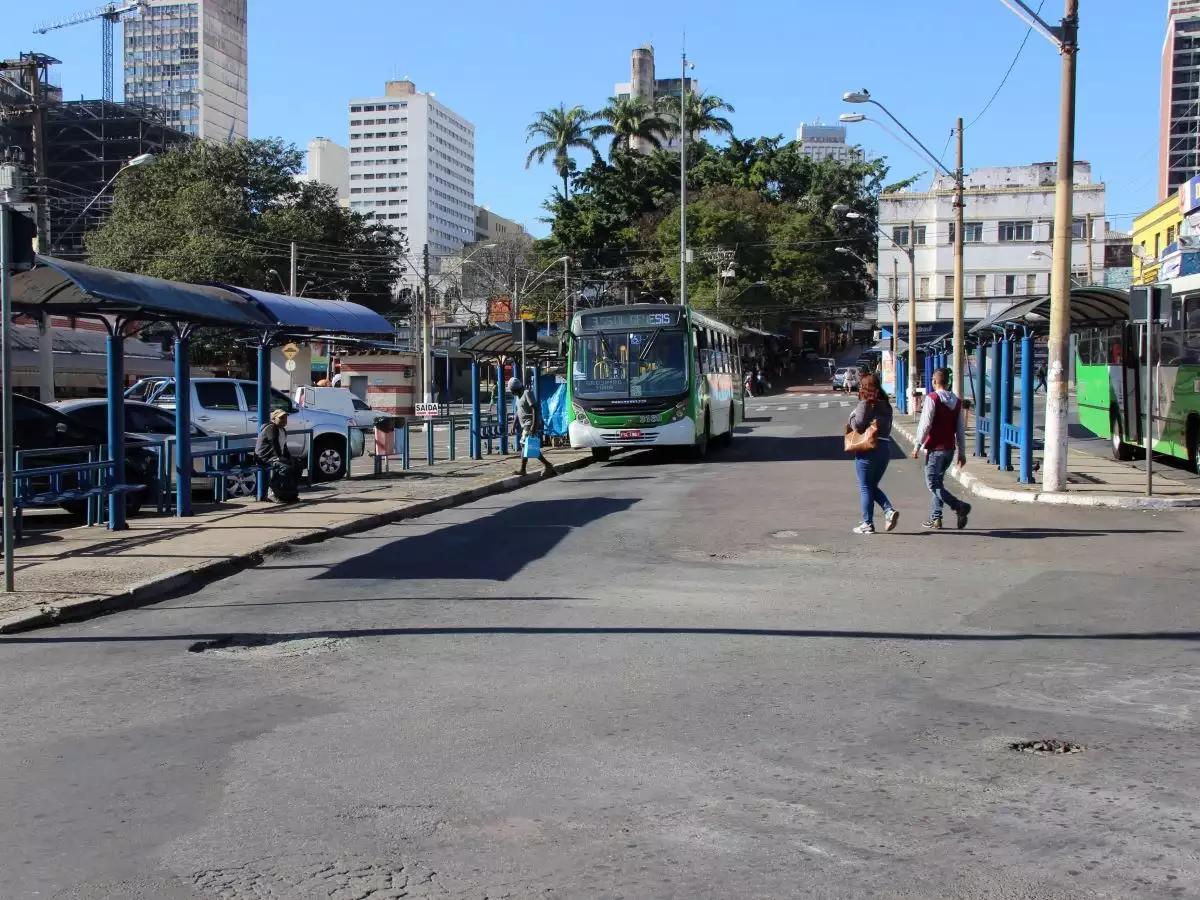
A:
[412,166]
[329,163]
[189,59]
[819,142]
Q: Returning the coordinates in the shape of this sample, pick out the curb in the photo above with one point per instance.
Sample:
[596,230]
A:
[197,576]
[975,485]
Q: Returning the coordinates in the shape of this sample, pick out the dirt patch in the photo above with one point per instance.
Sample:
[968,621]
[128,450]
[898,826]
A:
[267,646]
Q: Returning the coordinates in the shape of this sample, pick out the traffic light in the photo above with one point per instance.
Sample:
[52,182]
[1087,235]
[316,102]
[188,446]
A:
[20,232]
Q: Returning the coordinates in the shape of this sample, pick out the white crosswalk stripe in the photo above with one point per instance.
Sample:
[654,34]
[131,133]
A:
[824,405]
[782,408]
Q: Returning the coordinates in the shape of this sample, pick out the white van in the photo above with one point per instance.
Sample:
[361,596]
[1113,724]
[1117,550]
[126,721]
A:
[336,400]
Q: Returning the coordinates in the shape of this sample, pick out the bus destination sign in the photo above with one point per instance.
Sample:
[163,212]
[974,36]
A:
[633,320]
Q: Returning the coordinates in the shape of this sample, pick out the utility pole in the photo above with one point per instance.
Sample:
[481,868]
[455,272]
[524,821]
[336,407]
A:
[426,336]
[911,371]
[896,316]
[38,146]
[683,295]
[566,297]
[1087,234]
[294,270]
[6,382]
[1055,476]
[960,331]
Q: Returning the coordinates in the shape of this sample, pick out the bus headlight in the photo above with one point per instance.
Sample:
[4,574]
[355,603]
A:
[679,411]
[580,415]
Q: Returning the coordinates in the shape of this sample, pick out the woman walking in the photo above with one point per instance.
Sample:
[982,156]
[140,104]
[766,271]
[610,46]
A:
[873,408]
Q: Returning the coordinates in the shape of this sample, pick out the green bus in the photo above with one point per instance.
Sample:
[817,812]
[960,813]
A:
[1111,382]
[651,375]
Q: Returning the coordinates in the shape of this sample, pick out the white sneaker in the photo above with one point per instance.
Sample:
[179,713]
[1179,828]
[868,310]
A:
[864,528]
[890,518]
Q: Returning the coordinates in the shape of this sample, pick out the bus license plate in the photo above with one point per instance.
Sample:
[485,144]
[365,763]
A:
[630,434]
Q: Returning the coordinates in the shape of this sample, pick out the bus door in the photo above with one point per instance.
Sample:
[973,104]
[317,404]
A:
[1128,350]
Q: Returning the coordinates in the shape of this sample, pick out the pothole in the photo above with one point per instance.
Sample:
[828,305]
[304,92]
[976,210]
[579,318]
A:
[267,646]
[1052,747]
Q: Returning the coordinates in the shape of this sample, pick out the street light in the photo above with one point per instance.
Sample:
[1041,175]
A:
[846,251]
[864,96]
[1064,36]
[139,160]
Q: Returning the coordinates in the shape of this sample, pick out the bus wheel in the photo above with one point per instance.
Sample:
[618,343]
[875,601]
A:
[1120,450]
[602,454]
[701,447]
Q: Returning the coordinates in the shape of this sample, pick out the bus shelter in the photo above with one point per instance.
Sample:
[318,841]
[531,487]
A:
[125,303]
[996,436]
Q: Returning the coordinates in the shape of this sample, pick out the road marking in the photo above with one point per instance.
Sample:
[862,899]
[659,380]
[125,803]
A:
[802,406]
[761,408]
[824,405]
[846,403]
[782,408]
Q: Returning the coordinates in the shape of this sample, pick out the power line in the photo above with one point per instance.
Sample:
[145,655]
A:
[1011,66]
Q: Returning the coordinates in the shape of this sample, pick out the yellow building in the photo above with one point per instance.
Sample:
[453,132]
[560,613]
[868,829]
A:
[1153,231]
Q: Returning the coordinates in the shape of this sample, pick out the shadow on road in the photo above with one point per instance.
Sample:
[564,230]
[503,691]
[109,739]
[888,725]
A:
[263,638]
[1035,534]
[491,548]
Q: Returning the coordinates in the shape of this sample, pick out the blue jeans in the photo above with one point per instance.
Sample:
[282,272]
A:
[936,465]
[870,467]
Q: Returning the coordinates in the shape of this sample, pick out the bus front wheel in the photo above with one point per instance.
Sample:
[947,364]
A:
[701,447]
[1120,450]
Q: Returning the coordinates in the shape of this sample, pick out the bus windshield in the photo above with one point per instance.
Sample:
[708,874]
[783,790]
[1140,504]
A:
[617,364]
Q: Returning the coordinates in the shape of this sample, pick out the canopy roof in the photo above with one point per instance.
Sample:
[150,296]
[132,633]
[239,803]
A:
[308,314]
[68,288]
[496,342]
[1089,306]
[886,344]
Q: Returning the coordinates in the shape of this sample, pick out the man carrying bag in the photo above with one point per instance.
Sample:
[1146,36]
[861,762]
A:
[529,417]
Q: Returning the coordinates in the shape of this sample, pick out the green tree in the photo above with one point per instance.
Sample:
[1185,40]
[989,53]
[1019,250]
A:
[563,130]
[703,115]
[625,119]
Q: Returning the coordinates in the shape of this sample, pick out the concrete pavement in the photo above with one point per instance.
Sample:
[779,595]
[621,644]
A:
[646,679]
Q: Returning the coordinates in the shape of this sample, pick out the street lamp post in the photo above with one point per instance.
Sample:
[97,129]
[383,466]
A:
[1064,36]
[911,252]
[864,96]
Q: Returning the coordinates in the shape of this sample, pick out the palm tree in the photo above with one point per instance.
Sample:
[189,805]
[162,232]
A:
[702,115]
[564,130]
[630,119]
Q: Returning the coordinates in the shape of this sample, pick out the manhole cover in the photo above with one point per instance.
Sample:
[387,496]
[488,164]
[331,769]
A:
[267,646]
[1047,747]
[785,534]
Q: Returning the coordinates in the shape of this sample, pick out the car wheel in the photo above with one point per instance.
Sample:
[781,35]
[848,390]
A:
[244,485]
[329,456]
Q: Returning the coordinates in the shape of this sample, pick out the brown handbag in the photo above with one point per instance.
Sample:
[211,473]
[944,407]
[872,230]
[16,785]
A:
[862,442]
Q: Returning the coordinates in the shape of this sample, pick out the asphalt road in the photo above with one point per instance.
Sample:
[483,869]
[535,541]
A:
[646,679]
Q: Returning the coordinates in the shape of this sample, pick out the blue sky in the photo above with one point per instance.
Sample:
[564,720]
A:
[778,62]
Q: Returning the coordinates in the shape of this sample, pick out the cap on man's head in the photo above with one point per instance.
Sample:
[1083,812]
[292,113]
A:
[514,385]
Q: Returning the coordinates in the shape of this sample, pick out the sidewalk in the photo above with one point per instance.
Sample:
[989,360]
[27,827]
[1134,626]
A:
[76,572]
[1095,478]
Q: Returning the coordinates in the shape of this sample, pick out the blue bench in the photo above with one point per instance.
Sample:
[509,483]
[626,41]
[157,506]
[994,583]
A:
[94,485]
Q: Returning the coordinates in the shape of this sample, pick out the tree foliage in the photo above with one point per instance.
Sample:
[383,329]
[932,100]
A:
[228,213]
[561,130]
[626,119]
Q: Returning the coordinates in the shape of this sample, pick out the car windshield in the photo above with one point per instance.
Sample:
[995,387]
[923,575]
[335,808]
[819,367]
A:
[616,364]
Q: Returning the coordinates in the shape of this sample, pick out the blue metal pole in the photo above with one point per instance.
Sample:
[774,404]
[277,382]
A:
[994,449]
[264,402]
[929,372]
[116,423]
[405,446]
[183,428]
[429,442]
[453,436]
[476,412]
[980,397]
[901,394]
[1026,449]
[1006,400]
[502,410]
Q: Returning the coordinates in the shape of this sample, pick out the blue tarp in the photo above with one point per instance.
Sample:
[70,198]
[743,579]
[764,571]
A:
[554,411]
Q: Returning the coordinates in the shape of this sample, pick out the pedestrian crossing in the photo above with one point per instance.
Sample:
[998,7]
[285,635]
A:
[823,404]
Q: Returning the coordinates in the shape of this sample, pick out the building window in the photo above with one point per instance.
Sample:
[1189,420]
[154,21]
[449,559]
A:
[924,287]
[1031,284]
[949,286]
[1078,229]
[1010,285]
[356,109]
[891,288]
[1170,235]
[1011,232]
[1157,245]
[900,235]
[980,282]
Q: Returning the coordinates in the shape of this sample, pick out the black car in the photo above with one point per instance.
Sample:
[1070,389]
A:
[40,427]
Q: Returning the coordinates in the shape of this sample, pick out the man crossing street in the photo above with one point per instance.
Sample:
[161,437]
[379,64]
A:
[942,434]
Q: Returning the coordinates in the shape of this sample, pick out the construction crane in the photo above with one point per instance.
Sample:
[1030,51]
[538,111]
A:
[108,15]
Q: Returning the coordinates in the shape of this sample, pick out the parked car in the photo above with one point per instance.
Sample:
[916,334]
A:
[230,406]
[37,426]
[846,379]
[153,424]
[336,400]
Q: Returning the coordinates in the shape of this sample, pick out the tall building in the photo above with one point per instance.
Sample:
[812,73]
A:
[189,59]
[1179,129]
[412,165]
[643,83]
[1007,237]
[329,163]
[819,142]
[491,227]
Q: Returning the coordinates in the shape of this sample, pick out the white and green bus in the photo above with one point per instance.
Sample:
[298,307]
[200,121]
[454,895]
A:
[1111,381]
[649,375]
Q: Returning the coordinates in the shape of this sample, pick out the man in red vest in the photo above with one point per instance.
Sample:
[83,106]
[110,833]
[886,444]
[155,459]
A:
[943,435]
